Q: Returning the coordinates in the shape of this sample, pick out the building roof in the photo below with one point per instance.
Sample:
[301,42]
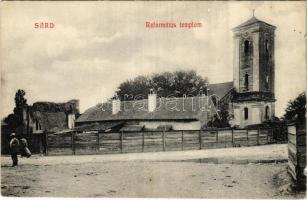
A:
[220,89]
[252,21]
[185,108]
[51,121]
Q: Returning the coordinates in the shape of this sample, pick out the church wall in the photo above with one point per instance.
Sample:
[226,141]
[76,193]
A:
[236,64]
[255,82]
[266,61]
[256,112]
[246,63]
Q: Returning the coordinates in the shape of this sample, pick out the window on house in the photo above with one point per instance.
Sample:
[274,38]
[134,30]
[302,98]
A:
[245,113]
[246,81]
[246,48]
[267,110]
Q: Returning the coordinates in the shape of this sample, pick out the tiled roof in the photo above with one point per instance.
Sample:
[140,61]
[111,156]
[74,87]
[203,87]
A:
[252,21]
[188,108]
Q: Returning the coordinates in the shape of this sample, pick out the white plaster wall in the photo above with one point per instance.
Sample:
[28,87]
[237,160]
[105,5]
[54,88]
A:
[256,112]
[237,116]
[256,116]
[193,125]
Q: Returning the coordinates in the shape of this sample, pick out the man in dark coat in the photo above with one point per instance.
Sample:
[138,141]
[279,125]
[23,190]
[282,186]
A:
[14,146]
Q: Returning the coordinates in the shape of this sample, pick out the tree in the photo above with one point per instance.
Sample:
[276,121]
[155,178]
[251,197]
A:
[175,84]
[296,109]
[221,121]
[15,119]
[20,101]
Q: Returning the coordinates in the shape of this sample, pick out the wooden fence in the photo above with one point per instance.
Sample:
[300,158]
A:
[297,154]
[95,142]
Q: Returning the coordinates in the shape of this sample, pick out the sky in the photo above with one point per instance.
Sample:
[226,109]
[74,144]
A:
[95,46]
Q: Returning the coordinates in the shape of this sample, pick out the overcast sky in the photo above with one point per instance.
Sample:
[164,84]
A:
[97,45]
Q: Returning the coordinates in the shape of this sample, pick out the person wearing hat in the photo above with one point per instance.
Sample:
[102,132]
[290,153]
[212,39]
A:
[14,145]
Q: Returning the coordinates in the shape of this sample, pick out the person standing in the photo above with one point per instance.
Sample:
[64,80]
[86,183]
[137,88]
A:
[14,145]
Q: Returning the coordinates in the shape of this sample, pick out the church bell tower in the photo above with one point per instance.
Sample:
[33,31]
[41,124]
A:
[254,70]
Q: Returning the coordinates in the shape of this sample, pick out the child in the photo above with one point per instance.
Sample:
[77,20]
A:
[25,152]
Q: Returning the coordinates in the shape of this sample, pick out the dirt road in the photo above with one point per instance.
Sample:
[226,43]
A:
[79,176]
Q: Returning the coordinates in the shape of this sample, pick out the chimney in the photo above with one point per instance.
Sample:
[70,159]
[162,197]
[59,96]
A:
[152,101]
[71,121]
[115,106]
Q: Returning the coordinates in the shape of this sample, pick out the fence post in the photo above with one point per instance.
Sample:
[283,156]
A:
[217,135]
[232,136]
[182,140]
[143,141]
[258,132]
[46,143]
[200,139]
[163,140]
[121,142]
[247,136]
[98,141]
[73,143]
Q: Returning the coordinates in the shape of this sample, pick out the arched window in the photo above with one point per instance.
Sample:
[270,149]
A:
[246,47]
[37,125]
[267,82]
[267,112]
[267,45]
[246,81]
[245,113]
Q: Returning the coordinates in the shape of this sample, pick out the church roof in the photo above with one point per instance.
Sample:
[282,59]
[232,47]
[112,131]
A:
[220,89]
[252,21]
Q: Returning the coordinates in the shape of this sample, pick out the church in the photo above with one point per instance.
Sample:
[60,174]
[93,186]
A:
[249,98]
